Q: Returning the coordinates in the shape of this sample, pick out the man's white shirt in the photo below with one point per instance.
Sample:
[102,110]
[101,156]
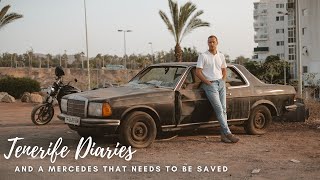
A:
[211,65]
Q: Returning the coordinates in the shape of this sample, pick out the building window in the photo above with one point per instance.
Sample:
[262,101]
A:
[304,30]
[281,56]
[280,43]
[292,57]
[279,31]
[305,69]
[291,35]
[280,18]
[291,4]
[305,12]
[292,52]
[291,20]
[292,49]
[279,5]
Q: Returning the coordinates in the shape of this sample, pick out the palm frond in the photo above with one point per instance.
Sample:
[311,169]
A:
[166,20]
[194,23]
[3,11]
[174,10]
[9,18]
[185,13]
[181,23]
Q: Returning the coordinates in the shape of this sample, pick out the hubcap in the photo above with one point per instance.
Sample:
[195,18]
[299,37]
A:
[139,131]
[259,120]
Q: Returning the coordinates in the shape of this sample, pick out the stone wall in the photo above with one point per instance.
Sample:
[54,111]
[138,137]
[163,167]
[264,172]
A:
[46,77]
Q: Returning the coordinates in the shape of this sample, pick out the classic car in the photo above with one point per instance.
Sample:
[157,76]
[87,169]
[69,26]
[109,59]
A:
[167,97]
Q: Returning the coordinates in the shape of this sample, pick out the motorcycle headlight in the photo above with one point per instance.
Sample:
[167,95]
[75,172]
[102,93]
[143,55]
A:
[99,109]
[50,90]
[64,105]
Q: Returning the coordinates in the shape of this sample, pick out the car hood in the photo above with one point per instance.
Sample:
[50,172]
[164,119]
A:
[118,92]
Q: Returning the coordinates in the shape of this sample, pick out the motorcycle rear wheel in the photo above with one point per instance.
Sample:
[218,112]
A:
[42,114]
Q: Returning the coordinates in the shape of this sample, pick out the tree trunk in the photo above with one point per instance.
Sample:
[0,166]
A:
[178,53]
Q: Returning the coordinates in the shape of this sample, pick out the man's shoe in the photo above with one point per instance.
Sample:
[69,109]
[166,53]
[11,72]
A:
[225,139]
[232,138]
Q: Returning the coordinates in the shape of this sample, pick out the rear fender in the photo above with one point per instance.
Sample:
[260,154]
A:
[274,111]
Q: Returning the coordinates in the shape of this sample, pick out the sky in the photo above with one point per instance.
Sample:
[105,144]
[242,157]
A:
[56,26]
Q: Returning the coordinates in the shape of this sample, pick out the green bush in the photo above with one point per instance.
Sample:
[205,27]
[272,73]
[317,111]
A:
[17,86]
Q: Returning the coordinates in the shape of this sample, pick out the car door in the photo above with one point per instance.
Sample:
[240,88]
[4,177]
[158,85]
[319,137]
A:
[238,94]
[192,102]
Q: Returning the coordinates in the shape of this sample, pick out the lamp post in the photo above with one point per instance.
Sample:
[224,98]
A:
[125,48]
[284,49]
[88,64]
[151,51]
[299,55]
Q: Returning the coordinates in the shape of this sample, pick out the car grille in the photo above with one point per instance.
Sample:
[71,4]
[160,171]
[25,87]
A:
[76,108]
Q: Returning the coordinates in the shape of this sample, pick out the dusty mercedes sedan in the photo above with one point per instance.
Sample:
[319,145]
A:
[167,97]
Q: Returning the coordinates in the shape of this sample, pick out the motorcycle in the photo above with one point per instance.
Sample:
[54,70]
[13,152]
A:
[43,113]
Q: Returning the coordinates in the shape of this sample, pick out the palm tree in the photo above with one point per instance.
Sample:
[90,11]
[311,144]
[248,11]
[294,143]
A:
[7,18]
[182,23]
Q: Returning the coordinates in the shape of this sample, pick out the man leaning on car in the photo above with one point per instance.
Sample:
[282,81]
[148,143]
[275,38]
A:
[211,69]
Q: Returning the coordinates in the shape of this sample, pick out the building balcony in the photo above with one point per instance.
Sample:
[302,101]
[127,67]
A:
[259,25]
[261,49]
[263,37]
[260,12]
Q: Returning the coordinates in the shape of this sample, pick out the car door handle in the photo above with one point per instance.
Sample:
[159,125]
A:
[228,93]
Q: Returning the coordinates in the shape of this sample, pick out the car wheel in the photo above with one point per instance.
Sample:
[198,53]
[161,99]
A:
[138,130]
[259,120]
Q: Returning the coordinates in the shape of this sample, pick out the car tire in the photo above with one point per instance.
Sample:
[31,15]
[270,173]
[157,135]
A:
[138,130]
[259,120]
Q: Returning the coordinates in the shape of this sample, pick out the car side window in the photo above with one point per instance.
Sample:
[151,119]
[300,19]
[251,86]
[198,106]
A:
[234,78]
[192,81]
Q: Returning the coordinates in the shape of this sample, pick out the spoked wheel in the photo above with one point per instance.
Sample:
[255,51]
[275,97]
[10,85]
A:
[42,114]
[138,130]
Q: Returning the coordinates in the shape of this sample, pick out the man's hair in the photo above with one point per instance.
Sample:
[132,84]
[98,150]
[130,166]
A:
[213,36]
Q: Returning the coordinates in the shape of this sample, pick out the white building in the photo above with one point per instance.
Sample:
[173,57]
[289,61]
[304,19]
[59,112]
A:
[274,25]
[310,36]
[279,25]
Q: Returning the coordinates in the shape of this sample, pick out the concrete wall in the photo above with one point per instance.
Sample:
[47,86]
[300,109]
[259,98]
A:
[46,76]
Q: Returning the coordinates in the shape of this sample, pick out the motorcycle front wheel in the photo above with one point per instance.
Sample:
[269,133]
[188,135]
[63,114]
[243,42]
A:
[42,114]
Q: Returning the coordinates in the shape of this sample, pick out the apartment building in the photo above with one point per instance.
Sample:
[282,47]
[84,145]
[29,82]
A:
[275,31]
[310,37]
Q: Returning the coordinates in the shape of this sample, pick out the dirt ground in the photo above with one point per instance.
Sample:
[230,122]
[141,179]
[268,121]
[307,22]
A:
[287,151]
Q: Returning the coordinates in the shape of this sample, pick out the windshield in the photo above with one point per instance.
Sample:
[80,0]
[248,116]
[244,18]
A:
[160,76]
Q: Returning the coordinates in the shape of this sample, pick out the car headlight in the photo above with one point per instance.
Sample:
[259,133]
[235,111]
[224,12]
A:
[64,105]
[99,109]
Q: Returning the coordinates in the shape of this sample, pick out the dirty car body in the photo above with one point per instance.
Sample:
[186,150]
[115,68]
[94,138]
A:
[167,97]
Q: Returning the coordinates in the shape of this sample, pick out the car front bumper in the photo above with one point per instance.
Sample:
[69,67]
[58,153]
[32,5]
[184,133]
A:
[92,122]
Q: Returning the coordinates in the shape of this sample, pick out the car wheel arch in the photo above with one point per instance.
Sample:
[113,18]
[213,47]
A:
[153,113]
[272,108]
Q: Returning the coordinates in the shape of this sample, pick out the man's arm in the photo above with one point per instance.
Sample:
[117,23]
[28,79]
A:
[201,76]
[224,74]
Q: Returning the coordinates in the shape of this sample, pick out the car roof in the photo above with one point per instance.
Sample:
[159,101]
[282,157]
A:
[185,64]
[243,70]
